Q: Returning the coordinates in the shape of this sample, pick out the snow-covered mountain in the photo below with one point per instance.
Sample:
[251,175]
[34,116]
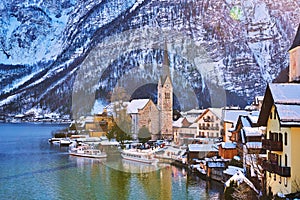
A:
[62,56]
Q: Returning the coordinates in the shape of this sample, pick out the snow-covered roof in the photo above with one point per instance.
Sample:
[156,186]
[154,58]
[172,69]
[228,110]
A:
[228,145]
[245,121]
[178,122]
[89,119]
[111,107]
[285,93]
[233,115]
[286,98]
[287,102]
[253,118]
[231,170]
[136,104]
[254,145]
[202,147]
[191,119]
[252,131]
[240,178]
[288,113]
[216,111]
[259,98]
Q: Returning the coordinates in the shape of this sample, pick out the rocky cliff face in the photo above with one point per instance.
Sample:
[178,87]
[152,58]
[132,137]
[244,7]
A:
[61,56]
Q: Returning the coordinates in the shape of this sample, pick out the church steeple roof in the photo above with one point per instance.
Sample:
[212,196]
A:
[296,41]
[166,65]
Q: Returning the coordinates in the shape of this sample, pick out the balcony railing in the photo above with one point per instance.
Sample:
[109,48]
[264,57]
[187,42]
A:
[274,168]
[209,128]
[272,145]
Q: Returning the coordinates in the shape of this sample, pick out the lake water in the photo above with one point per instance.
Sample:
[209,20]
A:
[31,168]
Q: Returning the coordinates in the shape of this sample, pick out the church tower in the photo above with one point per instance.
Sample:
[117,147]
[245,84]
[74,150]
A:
[165,99]
[294,71]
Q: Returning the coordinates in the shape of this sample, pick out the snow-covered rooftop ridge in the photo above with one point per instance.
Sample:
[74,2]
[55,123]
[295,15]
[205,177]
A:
[285,93]
[231,170]
[202,147]
[233,115]
[254,145]
[216,111]
[240,178]
[252,131]
[112,107]
[178,122]
[228,145]
[195,111]
[136,104]
[253,118]
[191,119]
[288,113]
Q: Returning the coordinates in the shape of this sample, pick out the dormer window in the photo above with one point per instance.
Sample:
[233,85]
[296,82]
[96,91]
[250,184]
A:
[271,115]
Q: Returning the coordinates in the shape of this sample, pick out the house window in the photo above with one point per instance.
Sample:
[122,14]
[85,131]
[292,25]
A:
[274,177]
[285,138]
[274,114]
[270,174]
[280,179]
[270,115]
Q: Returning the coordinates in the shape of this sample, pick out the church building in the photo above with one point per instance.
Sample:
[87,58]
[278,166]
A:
[157,118]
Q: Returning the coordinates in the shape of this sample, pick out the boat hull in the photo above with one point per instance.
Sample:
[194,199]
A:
[88,155]
[139,157]
[87,152]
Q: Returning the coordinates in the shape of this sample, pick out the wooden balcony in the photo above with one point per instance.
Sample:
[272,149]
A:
[214,128]
[283,171]
[274,168]
[272,145]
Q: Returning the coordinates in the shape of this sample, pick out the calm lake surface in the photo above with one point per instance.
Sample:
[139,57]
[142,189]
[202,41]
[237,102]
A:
[31,168]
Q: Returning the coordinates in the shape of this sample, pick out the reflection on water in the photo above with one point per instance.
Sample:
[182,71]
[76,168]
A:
[117,163]
[33,169]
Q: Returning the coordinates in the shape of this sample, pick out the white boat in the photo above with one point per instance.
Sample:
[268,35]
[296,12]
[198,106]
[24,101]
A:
[54,140]
[65,142]
[144,156]
[86,151]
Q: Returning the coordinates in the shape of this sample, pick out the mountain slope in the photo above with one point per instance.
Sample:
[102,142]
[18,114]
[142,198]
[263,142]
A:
[61,56]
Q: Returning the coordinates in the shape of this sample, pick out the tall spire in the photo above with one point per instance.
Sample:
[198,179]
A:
[166,65]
